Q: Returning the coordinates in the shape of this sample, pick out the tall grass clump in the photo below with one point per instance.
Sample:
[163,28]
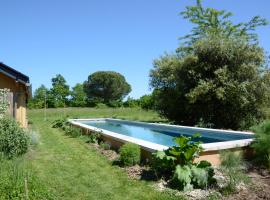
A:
[232,166]
[261,144]
[34,137]
[18,181]
[13,139]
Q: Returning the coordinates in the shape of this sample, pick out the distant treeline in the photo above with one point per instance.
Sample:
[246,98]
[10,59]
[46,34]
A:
[101,89]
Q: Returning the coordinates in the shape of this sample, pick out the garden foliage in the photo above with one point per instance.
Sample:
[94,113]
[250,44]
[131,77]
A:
[177,163]
[232,168]
[219,77]
[130,154]
[261,144]
[78,96]
[3,102]
[13,139]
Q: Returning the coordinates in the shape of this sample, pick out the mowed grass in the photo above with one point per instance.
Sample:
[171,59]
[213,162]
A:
[70,169]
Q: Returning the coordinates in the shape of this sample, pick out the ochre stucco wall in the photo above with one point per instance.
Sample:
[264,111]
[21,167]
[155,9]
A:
[20,91]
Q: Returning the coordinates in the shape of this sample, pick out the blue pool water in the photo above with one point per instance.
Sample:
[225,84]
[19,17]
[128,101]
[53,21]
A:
[163,137]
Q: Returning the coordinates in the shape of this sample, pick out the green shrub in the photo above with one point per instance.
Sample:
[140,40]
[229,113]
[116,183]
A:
[59,123]
[73,131]
[101,106]
[3,101]
[13,139]
[105,145]
[130,154]
[94,137]
[261,144]
[147,102]
[115,104]
[131,103]
[232,167]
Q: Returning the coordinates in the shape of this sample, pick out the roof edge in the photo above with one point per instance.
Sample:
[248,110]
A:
[14,74]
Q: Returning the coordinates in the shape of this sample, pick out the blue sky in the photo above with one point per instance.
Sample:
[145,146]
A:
[78,37]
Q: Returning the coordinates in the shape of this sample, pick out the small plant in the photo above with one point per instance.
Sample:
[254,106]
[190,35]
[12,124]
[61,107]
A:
[130,154]
[94,137]
[59,123]
[214,196]
[105,145]
[73,131]
[13,139]
[34,138]
[261,144]
[232,167]
[67,127]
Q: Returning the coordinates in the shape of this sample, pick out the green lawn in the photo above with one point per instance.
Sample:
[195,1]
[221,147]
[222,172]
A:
[70,169]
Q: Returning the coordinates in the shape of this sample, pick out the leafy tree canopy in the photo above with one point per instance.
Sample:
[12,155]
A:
[38,100]
[78,96]
[59,91]
[209,21]
[106,86]
[218,78]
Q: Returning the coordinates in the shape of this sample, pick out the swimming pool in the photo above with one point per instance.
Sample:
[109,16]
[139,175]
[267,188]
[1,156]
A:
[154,136]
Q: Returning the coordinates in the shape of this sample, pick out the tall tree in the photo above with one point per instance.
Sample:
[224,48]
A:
[106,86]
[59,91]
[78,96]
[147,102]
[39,98]
[218,78]
[209,21]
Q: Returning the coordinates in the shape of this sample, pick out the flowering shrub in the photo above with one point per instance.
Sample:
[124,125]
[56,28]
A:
[13,139]
[3,101]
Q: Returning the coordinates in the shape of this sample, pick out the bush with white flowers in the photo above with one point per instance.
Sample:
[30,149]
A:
[4,104]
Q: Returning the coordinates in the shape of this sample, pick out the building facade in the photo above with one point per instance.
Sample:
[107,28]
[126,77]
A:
[20,91]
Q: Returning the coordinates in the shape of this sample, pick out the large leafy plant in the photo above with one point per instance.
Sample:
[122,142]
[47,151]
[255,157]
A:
[184,153]
[186,150]
[188,177]
[177,164]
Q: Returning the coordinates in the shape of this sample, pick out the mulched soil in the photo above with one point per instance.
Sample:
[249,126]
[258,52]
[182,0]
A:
[259,189]
[111,155]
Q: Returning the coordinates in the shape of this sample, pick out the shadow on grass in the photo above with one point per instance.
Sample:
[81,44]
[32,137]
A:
[149,175]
